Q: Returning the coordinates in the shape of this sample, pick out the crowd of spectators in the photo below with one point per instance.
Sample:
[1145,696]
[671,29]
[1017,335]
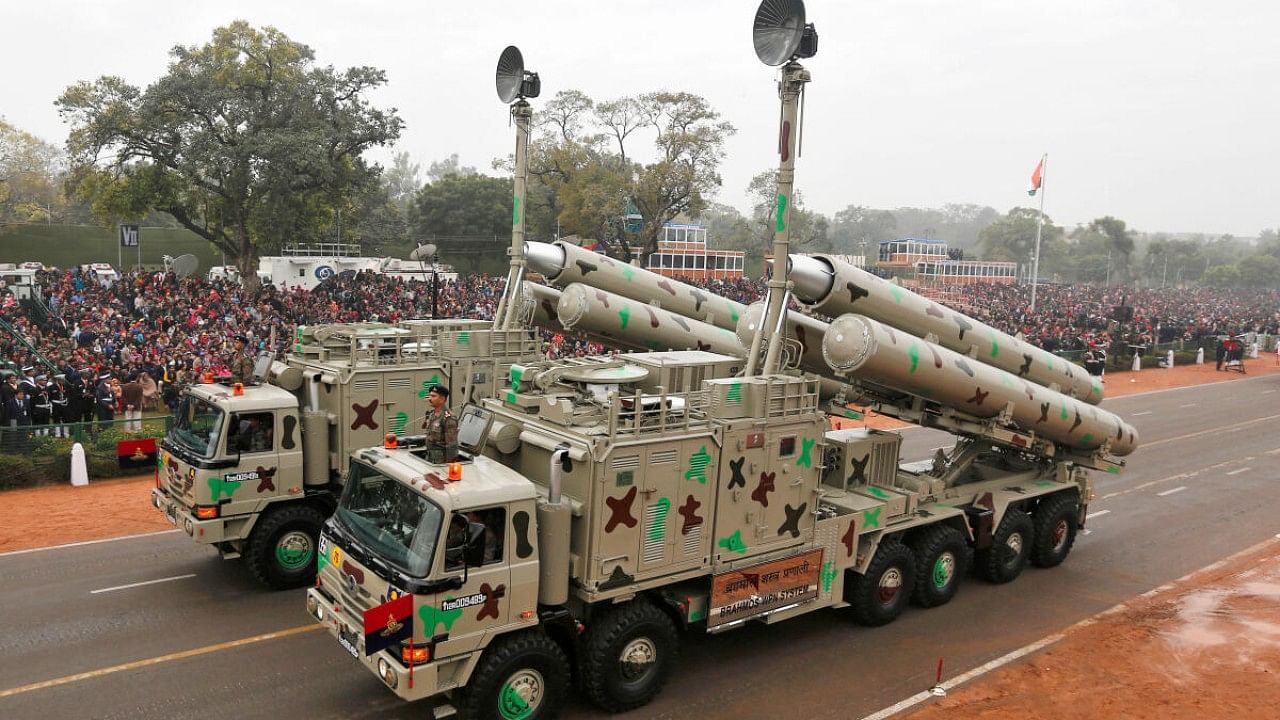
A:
[162,331]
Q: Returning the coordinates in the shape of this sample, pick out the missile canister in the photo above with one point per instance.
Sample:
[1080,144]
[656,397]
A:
[544,301]
[636,324]
[563,264]
[875,352]
[834,287]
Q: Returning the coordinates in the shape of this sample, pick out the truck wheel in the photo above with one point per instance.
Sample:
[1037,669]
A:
[942,556]
[879,595]
[281,551]
[630,650]
[1055,527]
[521,676]
[1010,548]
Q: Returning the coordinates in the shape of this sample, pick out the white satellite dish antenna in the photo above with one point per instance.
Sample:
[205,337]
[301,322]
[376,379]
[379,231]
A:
[184,265]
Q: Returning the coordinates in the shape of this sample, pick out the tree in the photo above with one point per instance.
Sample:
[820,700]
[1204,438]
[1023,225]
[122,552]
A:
[30,170]
[1221,276]
[861,229]
[1120,239]
[446,167]
[1259,271]
[809,230]
[1013,238]
[245,141]
[464,214]
[403,179]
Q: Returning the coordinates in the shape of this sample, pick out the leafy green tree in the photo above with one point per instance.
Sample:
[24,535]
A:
[30,174]
[245,141]
[464,214]
[810,231]
[448,166]
[1221,276]
[1012,238]
[1260,271]
[860,230]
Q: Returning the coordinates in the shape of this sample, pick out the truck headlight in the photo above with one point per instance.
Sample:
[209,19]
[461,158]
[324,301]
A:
[387,673]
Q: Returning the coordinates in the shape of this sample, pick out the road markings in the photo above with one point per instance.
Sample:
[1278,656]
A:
[1266,392]
[1144,412]
[1051,639]
[1237,472]
[140,584]
[87,542]
[1273,452]
[1180,488]
[1188,405]
[1210,431]
[1093,515]
[194,652]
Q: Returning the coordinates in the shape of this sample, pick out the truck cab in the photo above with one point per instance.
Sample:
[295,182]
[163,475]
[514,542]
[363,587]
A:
[232,451]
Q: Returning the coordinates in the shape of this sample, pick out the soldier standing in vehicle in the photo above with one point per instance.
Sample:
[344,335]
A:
[441,426]
[242,362]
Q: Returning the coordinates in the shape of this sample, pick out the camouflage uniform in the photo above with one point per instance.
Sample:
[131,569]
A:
[442,436]
[242,368]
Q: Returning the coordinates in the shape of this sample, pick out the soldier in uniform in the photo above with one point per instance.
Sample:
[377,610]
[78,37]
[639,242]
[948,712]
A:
[104,399]
[60,400]
[41,406]
[441,426]
[242,361]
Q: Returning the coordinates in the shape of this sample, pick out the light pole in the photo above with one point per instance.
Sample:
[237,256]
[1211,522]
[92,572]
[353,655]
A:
[422,253]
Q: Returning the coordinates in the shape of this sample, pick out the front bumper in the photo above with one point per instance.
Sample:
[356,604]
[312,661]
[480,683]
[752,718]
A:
[212,531]
[334,619]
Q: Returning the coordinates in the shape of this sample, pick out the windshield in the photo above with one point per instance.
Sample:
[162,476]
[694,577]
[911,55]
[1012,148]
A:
[197,426]
[394,522]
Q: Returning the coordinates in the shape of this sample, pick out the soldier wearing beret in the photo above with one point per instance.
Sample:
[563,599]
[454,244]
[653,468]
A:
[242,362]
[441,426]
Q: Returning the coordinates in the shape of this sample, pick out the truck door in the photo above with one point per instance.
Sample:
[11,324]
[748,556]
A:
[464,616]
[398,403]
[364,422]
[253,437]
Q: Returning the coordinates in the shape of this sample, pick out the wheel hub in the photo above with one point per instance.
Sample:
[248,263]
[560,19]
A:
[294,550]
[1014,543]
[1059,535]
[521,694]
[944,568]
[637,657]
[890,585]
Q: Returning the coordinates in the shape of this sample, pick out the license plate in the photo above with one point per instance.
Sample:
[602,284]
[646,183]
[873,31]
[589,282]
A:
[347,639]
[171,513]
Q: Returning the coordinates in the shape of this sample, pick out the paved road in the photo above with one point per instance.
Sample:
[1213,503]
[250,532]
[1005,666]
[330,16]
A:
[1203,485]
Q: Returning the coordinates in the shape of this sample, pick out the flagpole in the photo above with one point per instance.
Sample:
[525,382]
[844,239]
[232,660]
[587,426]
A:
[1035,261]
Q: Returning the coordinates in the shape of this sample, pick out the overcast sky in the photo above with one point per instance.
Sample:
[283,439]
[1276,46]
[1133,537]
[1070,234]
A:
[1162,113]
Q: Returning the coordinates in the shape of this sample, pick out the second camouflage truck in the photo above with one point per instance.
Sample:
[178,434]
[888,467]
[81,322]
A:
[254,468]
[602,508]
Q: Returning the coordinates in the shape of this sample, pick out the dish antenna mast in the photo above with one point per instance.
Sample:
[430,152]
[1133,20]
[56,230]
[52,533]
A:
[514,85]
[781,37]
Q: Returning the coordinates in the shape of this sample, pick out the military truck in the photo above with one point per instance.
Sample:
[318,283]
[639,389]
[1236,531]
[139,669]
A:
[254,468]
[603,508]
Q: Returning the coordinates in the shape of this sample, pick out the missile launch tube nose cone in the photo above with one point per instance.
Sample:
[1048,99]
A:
[848,343]
[574,303]
[813,277]
[748,323]
[544,258]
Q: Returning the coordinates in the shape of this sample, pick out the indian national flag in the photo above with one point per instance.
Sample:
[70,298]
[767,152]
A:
[1036,178]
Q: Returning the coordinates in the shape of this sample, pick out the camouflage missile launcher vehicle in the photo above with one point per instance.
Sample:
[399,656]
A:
[604,508]
[254,469]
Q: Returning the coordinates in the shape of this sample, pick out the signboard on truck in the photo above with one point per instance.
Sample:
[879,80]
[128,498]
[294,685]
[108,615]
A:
[759,589]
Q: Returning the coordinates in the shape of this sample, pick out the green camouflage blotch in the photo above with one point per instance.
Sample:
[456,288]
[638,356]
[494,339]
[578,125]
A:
[464,338]
[871,518]
[426,385]
[853,415]
[398,421]
[1088,438]
[878,492]
[995,346]
[734,543]
[1064,411]
[781,224]
[1114,469]
[628,272]
[828,575]
[698,465]
[733,312]
[659,527]
[735,393]
[624,315]
[516,373]
[806,452]
[431,616]
[515,211]
[896,292]
[914,354]
[220,487]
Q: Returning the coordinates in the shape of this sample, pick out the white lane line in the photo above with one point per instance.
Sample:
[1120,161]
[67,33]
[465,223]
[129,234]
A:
[1266,392]
[86,542]
[1237,472]
[140,584]
[1051,639]
[1273,452]
[1188,405]
[1180,488]
[1210,431]
[1144,412]
[1093,515]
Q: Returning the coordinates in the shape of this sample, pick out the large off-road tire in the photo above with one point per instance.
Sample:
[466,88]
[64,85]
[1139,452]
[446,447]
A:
[628,654]
[1010,548]
[879,595]
[281,550]
[942,558]
[523,675]
[1056,519]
